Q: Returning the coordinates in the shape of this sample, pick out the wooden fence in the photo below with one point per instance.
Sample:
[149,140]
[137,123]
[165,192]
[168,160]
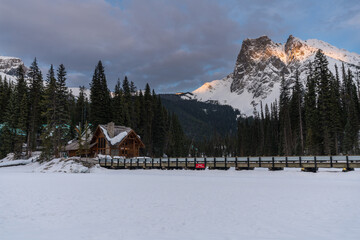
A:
[306,163]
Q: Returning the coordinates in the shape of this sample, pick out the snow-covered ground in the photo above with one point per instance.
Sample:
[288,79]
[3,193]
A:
[178,204]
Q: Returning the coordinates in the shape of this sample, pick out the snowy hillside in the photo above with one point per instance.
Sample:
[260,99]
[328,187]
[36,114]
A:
[259,67]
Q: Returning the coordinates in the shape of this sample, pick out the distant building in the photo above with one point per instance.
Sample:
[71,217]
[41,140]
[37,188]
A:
[108,139]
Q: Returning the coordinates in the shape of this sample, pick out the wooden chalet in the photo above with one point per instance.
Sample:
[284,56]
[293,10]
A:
[109,139]
[73,149]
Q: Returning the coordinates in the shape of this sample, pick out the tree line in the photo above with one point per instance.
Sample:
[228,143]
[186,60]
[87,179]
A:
[321,118]
[38,115]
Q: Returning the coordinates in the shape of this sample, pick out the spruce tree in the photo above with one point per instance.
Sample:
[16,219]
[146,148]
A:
[296,108]
[352,122]
[35,96]
[148,117]
[322,77]
[118,105]
[81,108]
[311,115]
[159,130]
[336,112]
[50,104]
[100,98]
[284,115]
[22,110]
[63,114]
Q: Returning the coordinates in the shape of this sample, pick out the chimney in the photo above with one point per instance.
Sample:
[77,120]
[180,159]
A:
[110,129]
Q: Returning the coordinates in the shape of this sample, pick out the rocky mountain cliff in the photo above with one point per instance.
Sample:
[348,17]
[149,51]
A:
[8,66]
[259,67]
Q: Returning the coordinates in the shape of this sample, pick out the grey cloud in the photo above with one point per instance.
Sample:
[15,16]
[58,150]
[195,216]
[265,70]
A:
[173,45]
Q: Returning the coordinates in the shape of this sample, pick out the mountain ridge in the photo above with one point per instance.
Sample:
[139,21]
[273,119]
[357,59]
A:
[259,67]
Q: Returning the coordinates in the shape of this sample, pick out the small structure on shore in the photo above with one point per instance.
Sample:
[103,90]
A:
[109,139]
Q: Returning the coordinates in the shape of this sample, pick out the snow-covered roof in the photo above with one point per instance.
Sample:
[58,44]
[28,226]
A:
[74,145]
[120,132]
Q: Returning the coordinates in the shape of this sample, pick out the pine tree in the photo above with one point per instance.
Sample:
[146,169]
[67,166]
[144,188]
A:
[100,112]
[132,88]
[177,146]
[105,94]
[50,104]
[296,108]
[22,111]
[118,105]
[322,77]
[35,95]
[159,130]
[81,108]
[4,97]
[311,115]
[63,117]
[285,125]
[11,117]
[148,117]
[352,111]
[336,111]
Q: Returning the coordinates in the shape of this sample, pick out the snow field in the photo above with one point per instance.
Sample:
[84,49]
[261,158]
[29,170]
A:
[179,204]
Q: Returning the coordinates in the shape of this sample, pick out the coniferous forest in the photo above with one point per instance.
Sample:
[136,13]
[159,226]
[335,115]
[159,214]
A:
[44,115]
[320,118]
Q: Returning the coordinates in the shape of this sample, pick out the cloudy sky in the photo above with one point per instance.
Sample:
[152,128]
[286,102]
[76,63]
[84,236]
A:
[175,45]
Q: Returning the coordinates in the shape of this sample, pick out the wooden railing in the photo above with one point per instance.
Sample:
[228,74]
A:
[306,163]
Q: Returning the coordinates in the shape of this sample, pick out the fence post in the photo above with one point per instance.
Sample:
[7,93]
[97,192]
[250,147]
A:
[236,162]
[205,161]
[177,162]
[315,163]
[331,162]
[194,162]
[214,162]
[137,163]
[273,162]
[160,163]
[286,162]
[248,162]
[225,162]
[259,161]
[168,162]
[130,162]
[152,162]
[300,162]
[347,161]
[186,162]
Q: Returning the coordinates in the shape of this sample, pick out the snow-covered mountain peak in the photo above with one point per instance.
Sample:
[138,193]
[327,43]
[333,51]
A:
[334,52]
[260,65]
[8,65]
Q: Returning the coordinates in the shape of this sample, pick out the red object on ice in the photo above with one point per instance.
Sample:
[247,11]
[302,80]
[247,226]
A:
[200,165]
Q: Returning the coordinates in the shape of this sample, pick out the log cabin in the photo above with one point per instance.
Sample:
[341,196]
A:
[110,139]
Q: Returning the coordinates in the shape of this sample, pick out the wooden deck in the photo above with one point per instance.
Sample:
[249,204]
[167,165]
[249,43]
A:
[306,163]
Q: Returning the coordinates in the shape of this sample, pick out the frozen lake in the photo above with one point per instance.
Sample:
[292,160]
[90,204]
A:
[179,204]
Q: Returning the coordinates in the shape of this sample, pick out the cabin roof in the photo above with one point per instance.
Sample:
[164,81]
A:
[74,145]
[120,133]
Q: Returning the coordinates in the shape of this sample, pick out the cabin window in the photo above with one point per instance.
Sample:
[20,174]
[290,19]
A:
[101,145]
